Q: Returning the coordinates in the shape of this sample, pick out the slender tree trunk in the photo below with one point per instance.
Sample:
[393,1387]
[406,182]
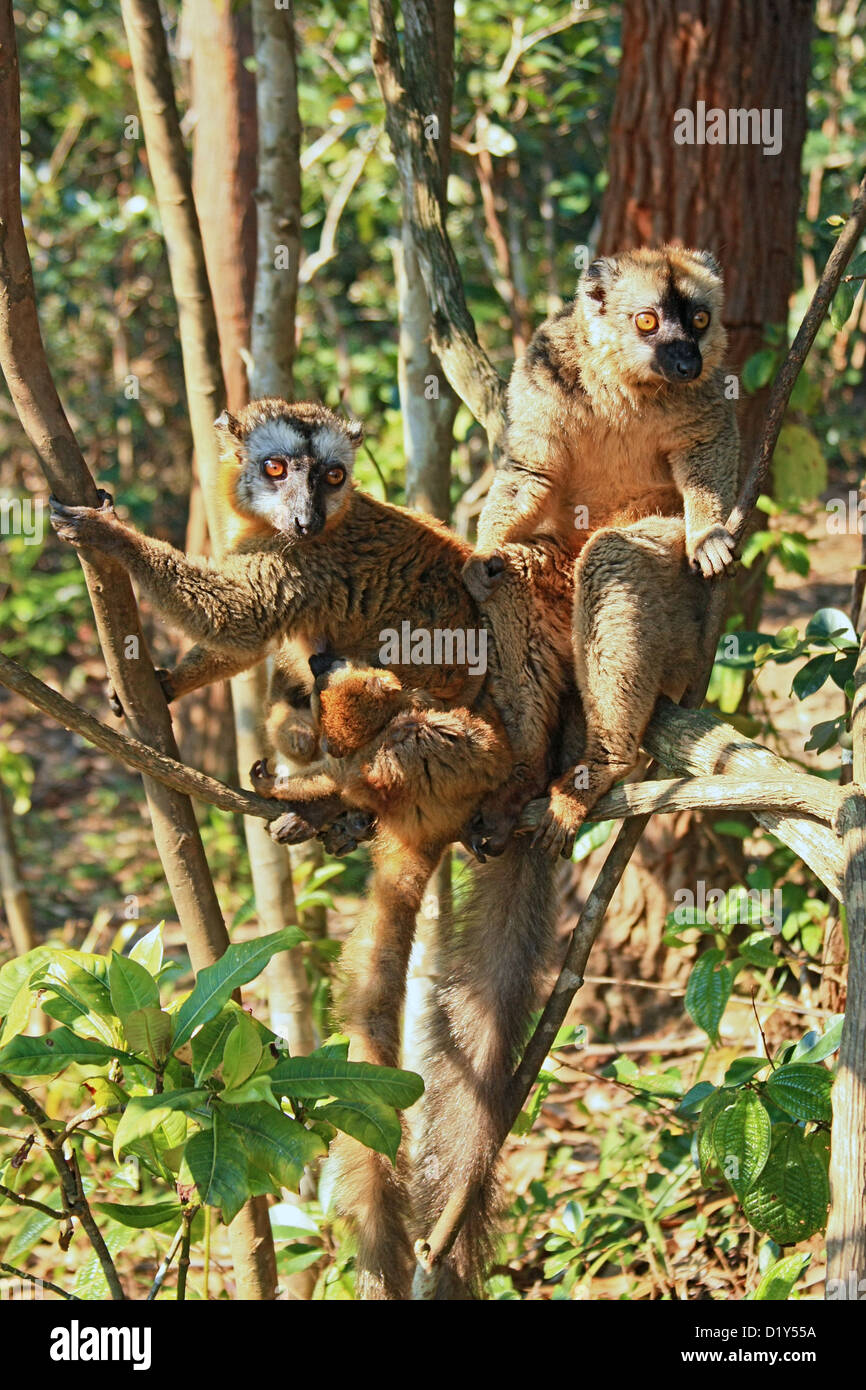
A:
[252,1245]
[16,899]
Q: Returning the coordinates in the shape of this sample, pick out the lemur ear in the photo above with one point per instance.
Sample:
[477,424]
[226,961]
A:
[228,423]
[355,432]
[707,259]
[600,276]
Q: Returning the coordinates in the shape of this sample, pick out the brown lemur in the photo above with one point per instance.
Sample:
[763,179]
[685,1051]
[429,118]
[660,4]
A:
[622,444]
[373,567]
[420,770]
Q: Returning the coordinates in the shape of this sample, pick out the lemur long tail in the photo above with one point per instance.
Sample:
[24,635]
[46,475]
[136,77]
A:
[492,965]
[371,1193]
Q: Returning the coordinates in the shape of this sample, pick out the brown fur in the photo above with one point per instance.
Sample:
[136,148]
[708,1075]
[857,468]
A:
[377,566]
[595,425]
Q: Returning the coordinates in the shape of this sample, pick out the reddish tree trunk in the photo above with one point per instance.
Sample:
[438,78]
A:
[733,199]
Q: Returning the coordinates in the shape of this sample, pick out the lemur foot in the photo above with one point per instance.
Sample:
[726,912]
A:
[164,678]
[482,575]
[82,526]
[347,832]
[488,833]
[565,814]
[265,782]
[291,829]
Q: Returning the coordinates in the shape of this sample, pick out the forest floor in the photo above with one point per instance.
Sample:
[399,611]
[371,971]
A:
[604,1199]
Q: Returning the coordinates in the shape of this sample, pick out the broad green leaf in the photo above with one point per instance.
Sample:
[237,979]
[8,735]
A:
[790,1198]
[256,1089]
[274,1141]
[373,1124]
[131,986]
[144,1114]
[314,1077]
[148,1031]
[215,984]
[142,1217]
[219,1166]
[90,1282]
[803,1089]
[35,1226]
[84,975]
[831,625]
[813,675]
[814,1047]
[741,1141]
[708,990]
[843,303]
[48,1055]
[799,466]
[17,971]
[243,1052]
[743,1069]
[19,1013]
[694,1098]
[780,1278]
[148,951]
[589,838]
[713,1106]
[208,1046]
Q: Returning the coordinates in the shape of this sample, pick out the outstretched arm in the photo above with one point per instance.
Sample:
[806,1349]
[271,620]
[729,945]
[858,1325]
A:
[238,608]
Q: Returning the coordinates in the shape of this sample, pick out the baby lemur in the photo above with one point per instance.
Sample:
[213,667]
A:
[622,444]
[361,568]
[420,770]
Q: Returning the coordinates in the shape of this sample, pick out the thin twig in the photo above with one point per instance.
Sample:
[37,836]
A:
[22,1201]
[37,1279]
[166,1264]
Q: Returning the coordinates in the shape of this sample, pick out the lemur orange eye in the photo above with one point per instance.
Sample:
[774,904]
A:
[275,468]
[335,475]
[701,320]
[646,321]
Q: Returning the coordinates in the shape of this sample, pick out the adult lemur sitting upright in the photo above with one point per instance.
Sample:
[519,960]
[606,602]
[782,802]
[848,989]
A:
[622,444]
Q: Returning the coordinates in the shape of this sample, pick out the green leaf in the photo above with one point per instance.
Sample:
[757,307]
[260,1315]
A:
[694,1098]
[18,971]
[142,1217]
[743,1069]
[790,1198]
[313,1077]
[144,1114]
[373,1124]
[219,1166]
[589,838]
[148,951]
[131,986]
[803,1089]
[29,1234]
[243,1052]
[758,370]
[149,1031]
[799,466]
[83,976]
[216,983]
[208,1045]
[813,675]
[780,1278]
[713,1106]
[831,625]
[48,1055]
[843,303]
[256,1089]
[741,1140]
[275,1142]
[708,991]
[90,1282]
[814,1048]
[19,1013]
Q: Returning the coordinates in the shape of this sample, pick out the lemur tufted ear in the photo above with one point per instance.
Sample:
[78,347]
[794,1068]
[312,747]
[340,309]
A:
[600,276]
[355,431]
[228,423]
[708,259]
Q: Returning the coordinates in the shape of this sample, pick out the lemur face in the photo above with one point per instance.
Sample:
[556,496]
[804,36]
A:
[296,464]
[658,312]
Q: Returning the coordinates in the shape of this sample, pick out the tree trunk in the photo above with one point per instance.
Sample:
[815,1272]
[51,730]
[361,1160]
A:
[733,199]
